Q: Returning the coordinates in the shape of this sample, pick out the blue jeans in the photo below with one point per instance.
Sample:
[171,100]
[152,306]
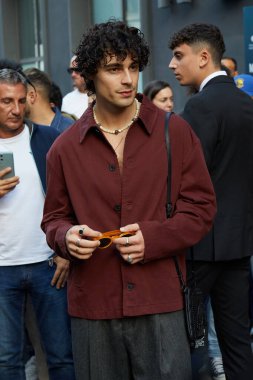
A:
[213,344]
[50,306]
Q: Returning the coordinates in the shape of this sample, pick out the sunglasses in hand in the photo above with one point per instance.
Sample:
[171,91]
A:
[107,238]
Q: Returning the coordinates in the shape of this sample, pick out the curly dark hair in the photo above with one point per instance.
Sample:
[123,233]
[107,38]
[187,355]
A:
[105,40]
[201,34]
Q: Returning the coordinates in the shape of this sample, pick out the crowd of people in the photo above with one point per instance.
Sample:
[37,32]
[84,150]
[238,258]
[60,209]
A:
[88,282]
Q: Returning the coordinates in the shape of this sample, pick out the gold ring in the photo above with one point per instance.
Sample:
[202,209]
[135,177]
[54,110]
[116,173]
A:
[78,242]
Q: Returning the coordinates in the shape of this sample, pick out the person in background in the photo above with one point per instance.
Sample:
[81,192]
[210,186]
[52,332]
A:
[38,107]
[101,175]
[231,64]
[214,352]
[34,356]
[161,94]
[222,117]
[55,99]
[213,344]
[245,83]
[27,265]
[76,101]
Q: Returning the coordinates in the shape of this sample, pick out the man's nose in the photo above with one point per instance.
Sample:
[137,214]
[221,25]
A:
[16,109]
[127,78]
[172,64]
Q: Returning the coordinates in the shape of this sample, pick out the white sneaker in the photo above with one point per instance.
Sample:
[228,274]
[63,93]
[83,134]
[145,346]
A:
[216,368]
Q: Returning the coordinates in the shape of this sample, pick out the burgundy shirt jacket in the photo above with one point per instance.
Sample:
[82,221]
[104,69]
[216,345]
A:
[85,186]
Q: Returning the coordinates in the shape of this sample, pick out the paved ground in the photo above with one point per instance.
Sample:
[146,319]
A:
[200,364]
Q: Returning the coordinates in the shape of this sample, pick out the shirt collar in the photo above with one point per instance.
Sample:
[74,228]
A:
[211,76]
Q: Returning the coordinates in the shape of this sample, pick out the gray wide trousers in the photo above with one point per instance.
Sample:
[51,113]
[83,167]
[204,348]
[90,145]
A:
[152,347]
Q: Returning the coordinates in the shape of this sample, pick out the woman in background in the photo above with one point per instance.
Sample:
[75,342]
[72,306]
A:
[160,93]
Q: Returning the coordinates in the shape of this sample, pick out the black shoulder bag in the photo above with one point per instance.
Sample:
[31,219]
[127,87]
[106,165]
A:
[194,307]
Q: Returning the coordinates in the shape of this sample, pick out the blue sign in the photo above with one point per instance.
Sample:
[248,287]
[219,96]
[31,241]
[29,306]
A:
[248,38]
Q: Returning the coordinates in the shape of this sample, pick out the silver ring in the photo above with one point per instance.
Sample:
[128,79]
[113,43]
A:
[78,242]
[127,241]
[129,259]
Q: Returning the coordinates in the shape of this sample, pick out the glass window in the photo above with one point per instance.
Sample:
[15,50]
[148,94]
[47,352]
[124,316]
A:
[127,10]
[30,34]
[132,13]
[103,10]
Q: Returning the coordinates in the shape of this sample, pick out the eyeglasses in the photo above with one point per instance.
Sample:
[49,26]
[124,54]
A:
[71,69]
[107,238]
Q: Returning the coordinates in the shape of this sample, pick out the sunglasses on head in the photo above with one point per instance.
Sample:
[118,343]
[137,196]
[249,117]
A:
[107,238]
[70,70]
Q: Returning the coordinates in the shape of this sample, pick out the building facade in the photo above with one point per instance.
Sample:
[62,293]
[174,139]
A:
[45,33]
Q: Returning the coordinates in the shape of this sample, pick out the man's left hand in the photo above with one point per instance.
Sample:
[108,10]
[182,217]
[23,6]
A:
[131,248]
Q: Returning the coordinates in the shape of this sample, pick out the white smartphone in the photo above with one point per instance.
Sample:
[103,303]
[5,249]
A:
[6,160]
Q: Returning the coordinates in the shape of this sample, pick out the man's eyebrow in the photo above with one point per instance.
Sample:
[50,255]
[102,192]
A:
[115,64]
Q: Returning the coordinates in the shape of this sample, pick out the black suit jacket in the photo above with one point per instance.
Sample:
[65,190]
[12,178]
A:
[222,117]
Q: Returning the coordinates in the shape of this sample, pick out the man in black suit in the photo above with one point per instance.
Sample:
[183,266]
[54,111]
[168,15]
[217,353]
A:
[222,117]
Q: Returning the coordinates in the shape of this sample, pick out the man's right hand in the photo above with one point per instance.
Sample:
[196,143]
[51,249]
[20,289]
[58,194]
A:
[78,243]
[8,184]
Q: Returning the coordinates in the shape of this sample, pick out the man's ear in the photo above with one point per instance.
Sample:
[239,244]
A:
[31,96]
[204,58]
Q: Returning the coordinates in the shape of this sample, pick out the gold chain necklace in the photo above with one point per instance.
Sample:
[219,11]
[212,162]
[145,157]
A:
[117,131]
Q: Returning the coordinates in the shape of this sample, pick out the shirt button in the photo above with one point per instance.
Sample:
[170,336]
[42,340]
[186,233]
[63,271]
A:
[112,167]
[130,286]
[117,208]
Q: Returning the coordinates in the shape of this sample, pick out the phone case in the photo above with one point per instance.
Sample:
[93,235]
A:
[6,160]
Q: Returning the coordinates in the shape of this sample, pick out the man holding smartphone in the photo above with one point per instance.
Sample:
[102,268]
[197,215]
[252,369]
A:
[26,262]
[7,181]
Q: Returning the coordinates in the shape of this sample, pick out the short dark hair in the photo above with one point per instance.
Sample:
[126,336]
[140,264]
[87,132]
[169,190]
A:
[12,77]
[108,39]
[153,87]
[40,80]
[231,59]
[226,69]
[197,34]
[55,95]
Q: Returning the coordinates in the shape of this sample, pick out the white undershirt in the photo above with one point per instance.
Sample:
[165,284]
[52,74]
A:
[21,239]
[75,103]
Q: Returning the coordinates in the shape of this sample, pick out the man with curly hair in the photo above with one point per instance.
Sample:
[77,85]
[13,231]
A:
[222,117]
[107,172]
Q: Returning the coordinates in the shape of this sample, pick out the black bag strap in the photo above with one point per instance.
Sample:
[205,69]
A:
[169,203]
[167,139]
